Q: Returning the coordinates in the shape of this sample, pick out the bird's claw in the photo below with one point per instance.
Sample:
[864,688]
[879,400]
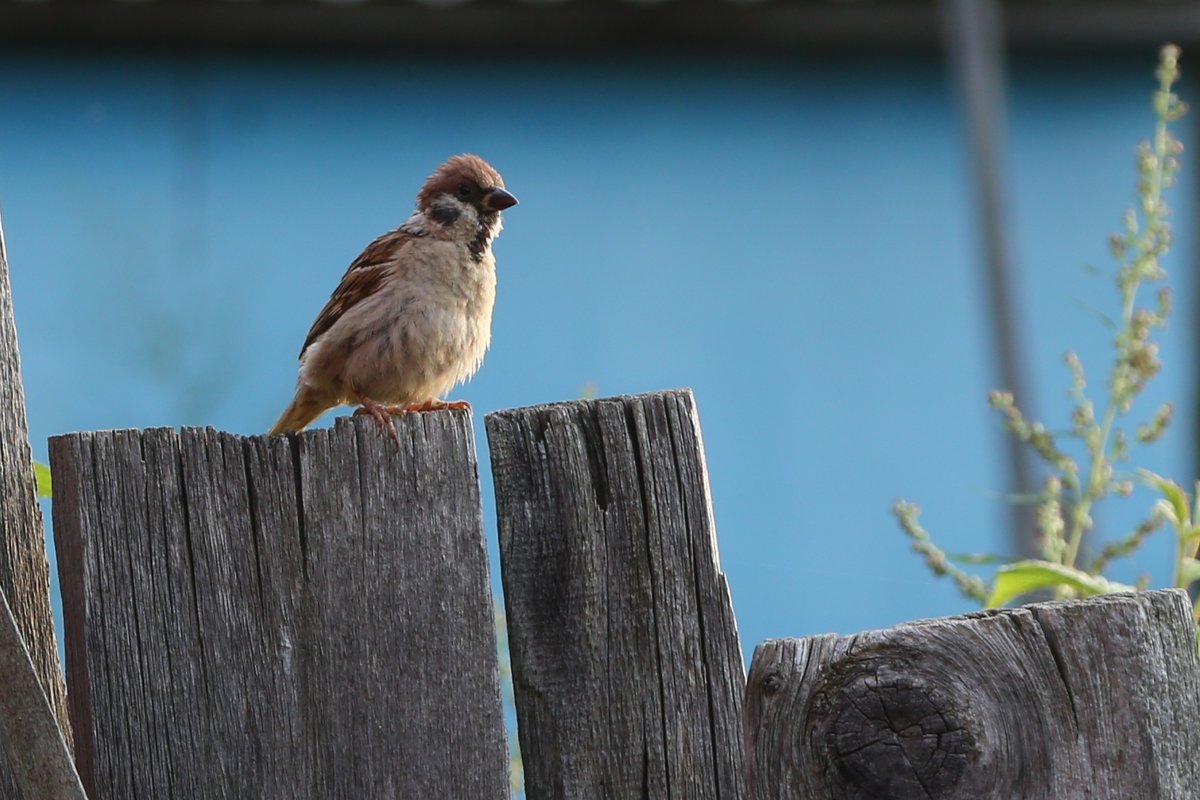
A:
[438,405]
[381,415]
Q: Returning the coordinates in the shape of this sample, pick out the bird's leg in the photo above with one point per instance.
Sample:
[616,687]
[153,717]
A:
[381,415]
[434,405]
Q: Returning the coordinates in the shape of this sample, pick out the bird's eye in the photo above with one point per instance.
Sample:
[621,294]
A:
[465,190]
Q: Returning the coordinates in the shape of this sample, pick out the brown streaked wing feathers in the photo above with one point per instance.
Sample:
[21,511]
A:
[362,278]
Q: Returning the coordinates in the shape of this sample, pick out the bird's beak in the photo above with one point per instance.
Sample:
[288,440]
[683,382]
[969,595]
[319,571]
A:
[498,200]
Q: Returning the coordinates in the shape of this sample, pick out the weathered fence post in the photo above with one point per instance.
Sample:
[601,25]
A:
[626,666]
[37,753]
[287,617]
[1095,699]
[24,568]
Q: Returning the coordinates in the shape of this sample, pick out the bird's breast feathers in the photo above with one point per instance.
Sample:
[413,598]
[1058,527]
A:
[431,303]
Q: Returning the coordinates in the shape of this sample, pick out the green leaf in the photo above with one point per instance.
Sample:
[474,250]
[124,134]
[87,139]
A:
[1189,570]
[1190,539]
[1024,577]
[42,473]
[1175,495]
[1196,506]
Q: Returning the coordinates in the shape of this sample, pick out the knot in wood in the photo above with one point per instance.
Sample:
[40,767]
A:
[772,682]
[890,729]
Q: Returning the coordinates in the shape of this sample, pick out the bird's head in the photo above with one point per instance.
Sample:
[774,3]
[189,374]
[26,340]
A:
[465,193]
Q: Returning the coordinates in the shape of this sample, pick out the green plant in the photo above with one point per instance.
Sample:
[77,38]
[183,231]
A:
[42,473]
[1075,484]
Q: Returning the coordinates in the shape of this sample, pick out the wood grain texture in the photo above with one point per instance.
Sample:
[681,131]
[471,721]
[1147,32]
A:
[1095,699]
[626,665]
[284,617]
[24,568]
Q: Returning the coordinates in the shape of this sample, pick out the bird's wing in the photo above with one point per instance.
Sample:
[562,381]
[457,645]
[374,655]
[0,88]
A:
[362,279]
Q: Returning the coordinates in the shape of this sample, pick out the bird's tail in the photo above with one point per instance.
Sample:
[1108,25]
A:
[299,414]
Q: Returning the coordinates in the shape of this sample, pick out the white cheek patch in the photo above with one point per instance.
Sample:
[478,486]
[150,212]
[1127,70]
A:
[467,223]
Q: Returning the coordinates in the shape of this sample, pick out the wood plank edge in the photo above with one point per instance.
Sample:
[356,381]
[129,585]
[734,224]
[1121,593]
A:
[65,453]
[626,400]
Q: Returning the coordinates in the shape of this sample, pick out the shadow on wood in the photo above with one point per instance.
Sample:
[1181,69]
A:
[284,617]
[37,753]
[1091,699]
[626,665]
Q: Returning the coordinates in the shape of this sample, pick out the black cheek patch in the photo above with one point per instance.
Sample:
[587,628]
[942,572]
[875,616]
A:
[444,213]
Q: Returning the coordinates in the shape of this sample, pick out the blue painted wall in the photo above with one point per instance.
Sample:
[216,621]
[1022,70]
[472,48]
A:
[794,239]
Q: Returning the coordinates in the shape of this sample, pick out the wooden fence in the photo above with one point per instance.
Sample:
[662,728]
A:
[310,617]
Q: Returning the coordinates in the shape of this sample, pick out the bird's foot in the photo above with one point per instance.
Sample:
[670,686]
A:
[436,405]
[381,414]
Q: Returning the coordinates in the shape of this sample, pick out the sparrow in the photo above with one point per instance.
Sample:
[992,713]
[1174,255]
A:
[412,316]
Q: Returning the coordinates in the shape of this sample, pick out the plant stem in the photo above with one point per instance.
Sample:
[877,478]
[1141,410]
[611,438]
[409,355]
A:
[1147,248]
[1081,511]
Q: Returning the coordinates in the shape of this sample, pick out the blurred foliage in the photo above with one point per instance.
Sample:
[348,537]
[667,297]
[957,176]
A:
[1098,426]
[42,473]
